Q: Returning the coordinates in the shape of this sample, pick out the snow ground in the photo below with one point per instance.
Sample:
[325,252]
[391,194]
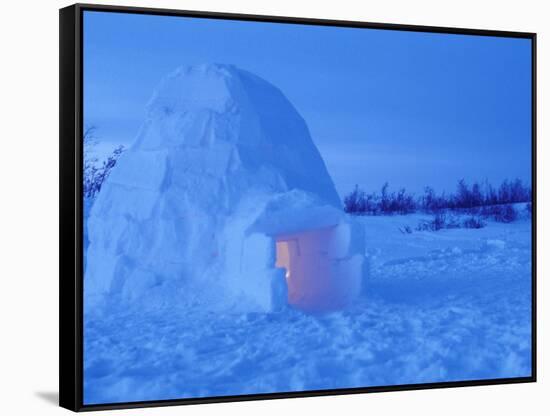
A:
[438,306]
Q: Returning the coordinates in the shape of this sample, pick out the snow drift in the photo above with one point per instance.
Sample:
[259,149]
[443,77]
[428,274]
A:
[223,201]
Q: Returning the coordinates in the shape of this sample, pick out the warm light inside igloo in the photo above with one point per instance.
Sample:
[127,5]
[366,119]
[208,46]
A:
[304,256]
[283,255]
[319,273]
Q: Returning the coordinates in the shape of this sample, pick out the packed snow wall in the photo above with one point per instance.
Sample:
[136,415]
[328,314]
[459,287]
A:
[221,168]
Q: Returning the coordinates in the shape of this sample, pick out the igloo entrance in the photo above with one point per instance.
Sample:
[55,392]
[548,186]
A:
[319,273]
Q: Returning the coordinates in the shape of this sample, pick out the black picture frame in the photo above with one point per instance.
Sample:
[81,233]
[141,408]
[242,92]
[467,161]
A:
[71,209]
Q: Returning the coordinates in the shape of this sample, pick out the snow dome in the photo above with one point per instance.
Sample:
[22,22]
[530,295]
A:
[223,201]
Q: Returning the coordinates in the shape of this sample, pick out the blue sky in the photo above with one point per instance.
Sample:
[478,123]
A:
[413,109]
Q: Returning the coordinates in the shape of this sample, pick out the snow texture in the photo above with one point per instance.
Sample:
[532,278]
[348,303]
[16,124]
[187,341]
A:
[451,305]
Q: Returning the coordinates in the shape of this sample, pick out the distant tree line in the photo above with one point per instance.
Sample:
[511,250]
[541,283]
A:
[471,198]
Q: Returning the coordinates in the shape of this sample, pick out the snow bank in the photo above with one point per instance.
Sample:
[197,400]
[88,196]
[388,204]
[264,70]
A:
[432,313]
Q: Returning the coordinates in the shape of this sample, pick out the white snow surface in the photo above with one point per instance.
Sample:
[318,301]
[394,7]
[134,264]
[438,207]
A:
[438,306]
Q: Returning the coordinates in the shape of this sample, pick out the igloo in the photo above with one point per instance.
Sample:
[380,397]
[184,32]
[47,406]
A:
[223,201]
